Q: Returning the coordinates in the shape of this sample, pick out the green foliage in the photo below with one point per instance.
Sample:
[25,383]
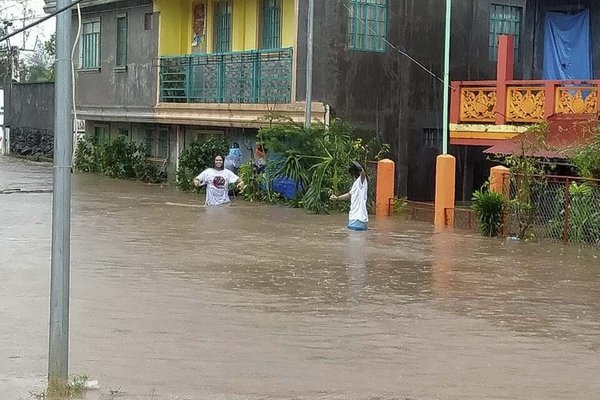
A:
[399,206]
[197,157]
[119,158]
[587,159]
[489,207]
[257,186]
[317,159]
[583,217]
[59,391]
[528,174]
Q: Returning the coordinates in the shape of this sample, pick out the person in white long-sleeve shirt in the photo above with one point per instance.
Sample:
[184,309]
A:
[358,217]
[217,180]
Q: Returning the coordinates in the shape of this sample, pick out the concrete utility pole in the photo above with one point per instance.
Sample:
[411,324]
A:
[58,357]
[446,76]
[309,63]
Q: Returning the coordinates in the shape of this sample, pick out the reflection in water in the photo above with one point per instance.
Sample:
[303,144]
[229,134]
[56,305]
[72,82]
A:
[356,248]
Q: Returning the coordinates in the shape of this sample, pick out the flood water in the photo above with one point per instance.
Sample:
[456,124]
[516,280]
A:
[171,300]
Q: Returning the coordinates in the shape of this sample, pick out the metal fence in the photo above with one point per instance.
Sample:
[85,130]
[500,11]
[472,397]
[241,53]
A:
[554,207]
[257,76]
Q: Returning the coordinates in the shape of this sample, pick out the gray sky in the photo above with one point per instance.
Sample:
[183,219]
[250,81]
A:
[13,11]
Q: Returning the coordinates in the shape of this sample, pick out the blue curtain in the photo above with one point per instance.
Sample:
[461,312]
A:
[567,46]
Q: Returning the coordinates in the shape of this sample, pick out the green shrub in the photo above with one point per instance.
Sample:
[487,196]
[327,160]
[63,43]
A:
[197,157]
[317,159]
[120,158]
[489,207]
[587,159]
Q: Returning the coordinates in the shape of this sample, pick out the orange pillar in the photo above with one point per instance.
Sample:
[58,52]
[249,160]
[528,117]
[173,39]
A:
[385,186]
[504,72]
[499,179]
[445,176]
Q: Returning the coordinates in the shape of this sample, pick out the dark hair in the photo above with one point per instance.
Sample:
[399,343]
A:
[354,169]
[222,158]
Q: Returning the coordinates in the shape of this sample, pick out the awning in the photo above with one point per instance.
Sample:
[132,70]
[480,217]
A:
[566,133]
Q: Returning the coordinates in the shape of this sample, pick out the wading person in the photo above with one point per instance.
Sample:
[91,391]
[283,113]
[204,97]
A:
[358,218]
[217,180]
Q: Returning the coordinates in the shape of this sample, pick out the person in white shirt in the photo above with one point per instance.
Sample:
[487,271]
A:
[358,218]
[217,180]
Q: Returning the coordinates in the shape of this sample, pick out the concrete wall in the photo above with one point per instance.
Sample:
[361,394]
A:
[385,94]
[29,112]
[116,88]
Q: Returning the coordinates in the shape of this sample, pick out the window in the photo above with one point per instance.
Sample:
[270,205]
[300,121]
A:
[148,21]
[101,134]
[432,138]
[222,26]
[121,41]
[157,142]
[504,20]
[367,25]
[199,28]
[90,45]
[124,132]
[271,24]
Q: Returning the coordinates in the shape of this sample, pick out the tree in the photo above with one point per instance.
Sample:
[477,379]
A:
[39,66]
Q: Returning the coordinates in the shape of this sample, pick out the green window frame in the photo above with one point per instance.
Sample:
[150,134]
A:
[271,24]
[367,25]
[101,135]
[157,142]
[89,57]
[504,20]
[223,26]
[121,40]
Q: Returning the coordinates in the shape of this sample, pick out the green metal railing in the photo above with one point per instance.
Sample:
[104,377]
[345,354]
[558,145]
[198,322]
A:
[255,76]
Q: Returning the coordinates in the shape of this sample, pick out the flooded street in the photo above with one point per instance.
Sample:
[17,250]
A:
[171,300]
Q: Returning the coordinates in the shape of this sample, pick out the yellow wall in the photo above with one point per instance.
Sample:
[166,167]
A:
[176,25]
[170,26]
[288,23]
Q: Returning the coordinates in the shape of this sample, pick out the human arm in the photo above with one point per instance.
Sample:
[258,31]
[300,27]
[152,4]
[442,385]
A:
[345,196]
[200,180]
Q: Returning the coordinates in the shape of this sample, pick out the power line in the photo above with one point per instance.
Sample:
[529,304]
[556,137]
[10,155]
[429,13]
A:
[47,17]
[402,52]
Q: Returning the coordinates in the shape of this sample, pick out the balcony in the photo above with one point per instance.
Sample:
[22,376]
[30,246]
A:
[518,102]
[247,77]
[483,112]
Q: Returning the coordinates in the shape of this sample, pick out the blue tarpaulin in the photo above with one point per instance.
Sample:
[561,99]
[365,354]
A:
[567,54]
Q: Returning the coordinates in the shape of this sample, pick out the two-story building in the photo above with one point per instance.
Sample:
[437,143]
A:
[165,71]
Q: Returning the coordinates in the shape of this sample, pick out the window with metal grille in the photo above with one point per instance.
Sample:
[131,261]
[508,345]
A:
[89,56]
[222,26]
[121,41]
[367,25]
[271,24]
[101,134]
[432,138]
[504,20]
[148,21]
[157,142]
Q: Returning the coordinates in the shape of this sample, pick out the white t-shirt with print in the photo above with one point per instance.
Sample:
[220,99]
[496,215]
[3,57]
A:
[358,201]
[217,185]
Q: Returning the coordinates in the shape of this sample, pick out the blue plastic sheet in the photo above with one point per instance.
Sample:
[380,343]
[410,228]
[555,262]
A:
[567,54]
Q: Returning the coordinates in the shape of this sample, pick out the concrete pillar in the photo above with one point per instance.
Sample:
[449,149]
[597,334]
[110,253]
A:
[499,182]
[445,177]
[385,187]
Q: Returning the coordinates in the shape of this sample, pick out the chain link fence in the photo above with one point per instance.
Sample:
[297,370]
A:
[554,207]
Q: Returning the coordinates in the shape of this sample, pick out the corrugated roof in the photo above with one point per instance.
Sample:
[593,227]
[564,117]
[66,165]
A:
[566,133]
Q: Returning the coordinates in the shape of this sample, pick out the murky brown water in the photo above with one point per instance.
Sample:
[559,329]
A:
[171,300]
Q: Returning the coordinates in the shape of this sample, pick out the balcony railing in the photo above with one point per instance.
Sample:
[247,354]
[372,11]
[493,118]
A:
[491,102]
[256,76]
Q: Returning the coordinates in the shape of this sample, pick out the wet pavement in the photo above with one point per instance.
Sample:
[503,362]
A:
[171,300]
